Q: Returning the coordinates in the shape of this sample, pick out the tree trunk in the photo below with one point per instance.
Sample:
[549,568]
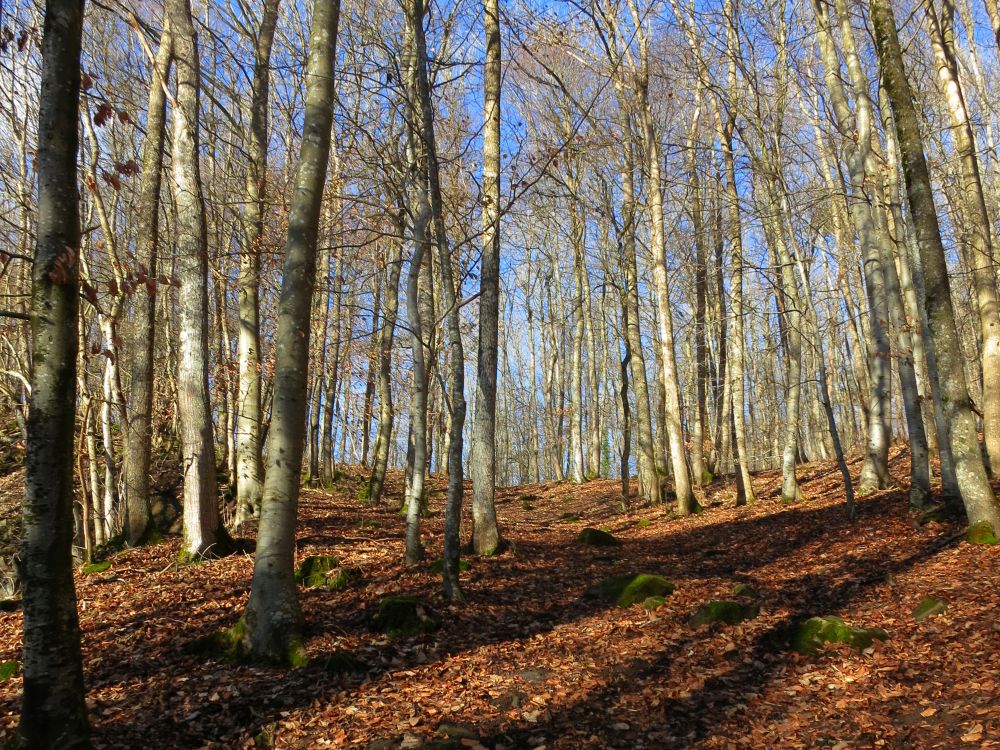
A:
[138,446]
[482,465]
[273,620]
[201,509]
[977,228]
[977,495]
[54,710]
[386,414]
[249,469]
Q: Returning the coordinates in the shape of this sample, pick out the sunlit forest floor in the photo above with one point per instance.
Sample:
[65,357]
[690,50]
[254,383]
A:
[532,661]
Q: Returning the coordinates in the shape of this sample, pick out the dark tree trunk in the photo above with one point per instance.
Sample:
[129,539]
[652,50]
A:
[54,710]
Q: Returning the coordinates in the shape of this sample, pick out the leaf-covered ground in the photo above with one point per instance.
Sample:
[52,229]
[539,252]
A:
[531,661]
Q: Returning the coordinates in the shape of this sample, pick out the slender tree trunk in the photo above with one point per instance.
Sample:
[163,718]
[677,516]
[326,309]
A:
[249,468]
[272,622]
[456,379]
[649,481]
[201,508]
[419,318]
[386,414]
[485,532]
[699,422]
[138,446]
[977,229]
[53,709]
[977,495]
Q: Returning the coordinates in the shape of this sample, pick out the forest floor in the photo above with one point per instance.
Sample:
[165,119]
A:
[531,661]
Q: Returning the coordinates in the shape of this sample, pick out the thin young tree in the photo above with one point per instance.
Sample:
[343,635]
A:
[249,471]
[482,464]
[138,449]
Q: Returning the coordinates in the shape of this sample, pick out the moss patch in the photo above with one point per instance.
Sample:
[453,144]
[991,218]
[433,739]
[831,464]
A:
[324,571]
[597,538]
[725,611]
[810,636]
[981,533]
[437,567]
[224,645]
[403,616]
[642,523]
[629,589]
[928,607]
[8,669]
[96,567]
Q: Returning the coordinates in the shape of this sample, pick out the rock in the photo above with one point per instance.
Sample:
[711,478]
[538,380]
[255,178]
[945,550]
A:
[981,533]
[629,589]
[928,607]
[324,571]
[725,611]
[597,538]
[810,636]
[570,517]
[8,669]
[436,568]
[403,616]
[709,553]
[457,732]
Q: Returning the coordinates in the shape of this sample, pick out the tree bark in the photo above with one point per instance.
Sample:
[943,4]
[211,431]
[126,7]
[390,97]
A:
[201,510]
[249,468]
[977,230]
[54,710]
[138,447]
[486,538]
[273,620]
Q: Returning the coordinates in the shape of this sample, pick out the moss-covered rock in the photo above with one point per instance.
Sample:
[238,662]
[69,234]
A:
[436,568]
[324,571]
[96,567]
[225,645]
[725,611]
[629,589]
[570,517]
[810,636]
[928,607]
[981,533]
[597,538]
[8,669]
[403,616]
[642,523]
